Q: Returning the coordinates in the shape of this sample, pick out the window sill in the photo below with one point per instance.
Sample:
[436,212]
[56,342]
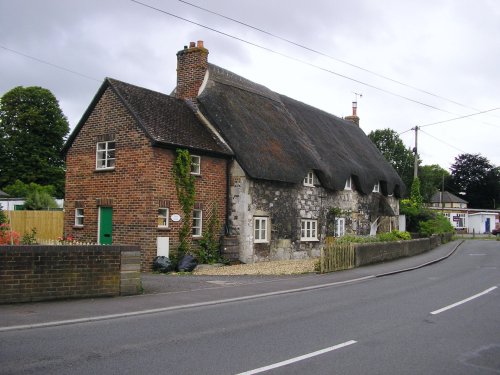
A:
[77,226]
[309,240]
[164,229]
[104,169]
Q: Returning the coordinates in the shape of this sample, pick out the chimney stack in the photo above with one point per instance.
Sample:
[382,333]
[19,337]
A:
[192,63]
[354,117]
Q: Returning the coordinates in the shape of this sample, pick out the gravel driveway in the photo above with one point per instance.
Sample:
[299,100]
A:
[283,267]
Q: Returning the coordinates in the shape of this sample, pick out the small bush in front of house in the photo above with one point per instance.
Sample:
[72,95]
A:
[395,235]
[29,238]
[436,224]
[8,236]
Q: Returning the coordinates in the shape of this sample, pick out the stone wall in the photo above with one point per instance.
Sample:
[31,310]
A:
[376,252]
[39,273]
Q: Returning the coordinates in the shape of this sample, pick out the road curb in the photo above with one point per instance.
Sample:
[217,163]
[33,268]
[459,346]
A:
[421,265]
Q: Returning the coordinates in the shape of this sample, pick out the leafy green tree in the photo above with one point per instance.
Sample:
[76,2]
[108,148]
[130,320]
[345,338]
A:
[3,217]
[415,196]
[32,131]
[431,180]
[474,175]
[37,197]
[395,152]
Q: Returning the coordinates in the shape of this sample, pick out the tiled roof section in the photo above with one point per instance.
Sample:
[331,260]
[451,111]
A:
[167,120]
[446,197]
[278,138]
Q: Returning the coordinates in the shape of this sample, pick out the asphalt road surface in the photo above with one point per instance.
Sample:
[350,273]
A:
[440,319]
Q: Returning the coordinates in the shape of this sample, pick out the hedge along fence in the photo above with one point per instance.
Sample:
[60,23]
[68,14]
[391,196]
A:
[48,224]
[38,273]
[336,257]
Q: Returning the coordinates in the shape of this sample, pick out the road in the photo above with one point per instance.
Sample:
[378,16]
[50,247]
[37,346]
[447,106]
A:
[440,319]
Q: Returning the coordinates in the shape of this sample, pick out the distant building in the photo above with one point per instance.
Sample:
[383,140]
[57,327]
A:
[464,219]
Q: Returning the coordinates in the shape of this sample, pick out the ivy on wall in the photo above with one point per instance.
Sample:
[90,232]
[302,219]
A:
[185,189]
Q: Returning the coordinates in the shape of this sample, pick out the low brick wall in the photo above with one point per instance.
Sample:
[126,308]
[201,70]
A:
[376,252]
[38,273]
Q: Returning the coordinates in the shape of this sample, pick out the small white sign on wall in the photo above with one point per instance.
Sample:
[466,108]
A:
[175,217]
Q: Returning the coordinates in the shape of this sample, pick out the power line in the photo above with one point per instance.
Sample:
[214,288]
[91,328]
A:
[50,64]
[290,57]
[462,117]
[326,55]
[440,140]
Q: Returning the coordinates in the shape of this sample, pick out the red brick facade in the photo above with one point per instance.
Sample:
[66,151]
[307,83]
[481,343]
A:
[140,183]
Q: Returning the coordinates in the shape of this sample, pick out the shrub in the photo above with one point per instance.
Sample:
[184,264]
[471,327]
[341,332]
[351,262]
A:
[8,236]
[395,235]
[437,224]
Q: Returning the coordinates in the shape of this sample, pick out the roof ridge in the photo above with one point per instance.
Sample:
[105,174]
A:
[226,77]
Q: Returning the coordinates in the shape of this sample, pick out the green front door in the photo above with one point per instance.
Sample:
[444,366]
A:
[105,225]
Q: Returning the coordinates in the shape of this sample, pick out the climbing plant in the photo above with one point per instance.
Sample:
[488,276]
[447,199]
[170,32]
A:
[185,189]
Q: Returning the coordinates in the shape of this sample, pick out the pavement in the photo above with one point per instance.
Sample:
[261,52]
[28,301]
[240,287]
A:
[174,292]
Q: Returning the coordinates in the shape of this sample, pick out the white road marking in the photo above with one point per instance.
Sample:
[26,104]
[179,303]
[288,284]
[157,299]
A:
[297,359]
[463,301]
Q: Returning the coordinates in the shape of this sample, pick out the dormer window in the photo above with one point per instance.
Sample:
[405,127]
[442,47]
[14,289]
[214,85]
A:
[309,179]
[348,184]
[376,187]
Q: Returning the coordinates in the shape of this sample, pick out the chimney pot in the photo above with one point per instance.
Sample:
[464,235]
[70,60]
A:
[200,43]
[191,45]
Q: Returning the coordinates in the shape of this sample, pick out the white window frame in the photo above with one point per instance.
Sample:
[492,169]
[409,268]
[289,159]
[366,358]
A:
[79,217]
[339,227]
[376,187]
[163,213]
[348,184]
[105,155]
[309,179]
[309,230]
[195,165]
[197,221]
[260,229]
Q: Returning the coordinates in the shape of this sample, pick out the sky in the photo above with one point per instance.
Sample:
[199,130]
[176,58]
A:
[415,63]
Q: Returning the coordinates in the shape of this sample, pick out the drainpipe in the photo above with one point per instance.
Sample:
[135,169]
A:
[228,195]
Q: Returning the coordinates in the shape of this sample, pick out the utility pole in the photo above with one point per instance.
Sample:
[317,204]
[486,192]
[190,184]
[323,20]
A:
[415,151]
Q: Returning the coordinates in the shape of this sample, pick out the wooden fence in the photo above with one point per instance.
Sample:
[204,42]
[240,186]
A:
[337,257]
[48,224]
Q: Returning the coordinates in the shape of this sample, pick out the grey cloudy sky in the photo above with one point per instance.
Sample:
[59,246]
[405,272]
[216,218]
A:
[449,50]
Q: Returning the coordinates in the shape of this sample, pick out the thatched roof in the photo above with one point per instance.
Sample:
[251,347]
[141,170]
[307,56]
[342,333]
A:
[278,138]
[165,120]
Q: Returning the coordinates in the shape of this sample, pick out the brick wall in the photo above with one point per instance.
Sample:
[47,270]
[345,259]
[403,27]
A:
[37,273]
[140,183]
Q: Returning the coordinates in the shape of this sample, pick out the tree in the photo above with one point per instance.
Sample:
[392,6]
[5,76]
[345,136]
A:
[415,195]
[395,152]
[37,197]
[475,176]
[32,131]
[431,180]
[3,217]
